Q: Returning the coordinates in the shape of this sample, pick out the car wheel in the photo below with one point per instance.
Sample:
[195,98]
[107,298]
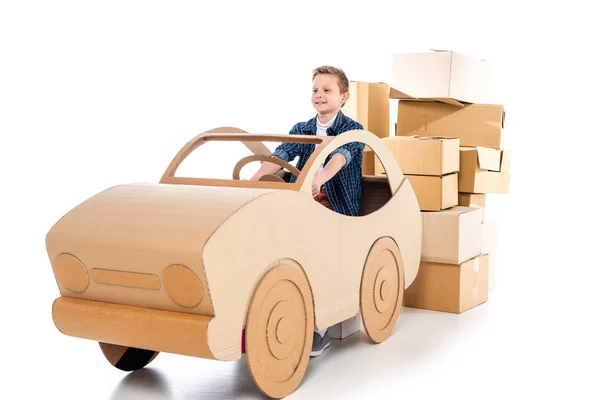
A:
[127,358]
[382,289]
[279,331]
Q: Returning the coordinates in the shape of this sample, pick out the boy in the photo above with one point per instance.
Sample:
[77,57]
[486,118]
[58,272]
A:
[337,183]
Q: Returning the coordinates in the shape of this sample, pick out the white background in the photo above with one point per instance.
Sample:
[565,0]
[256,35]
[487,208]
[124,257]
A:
[94,94]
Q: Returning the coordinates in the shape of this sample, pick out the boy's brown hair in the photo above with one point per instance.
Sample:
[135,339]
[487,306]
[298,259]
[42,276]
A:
[341,75]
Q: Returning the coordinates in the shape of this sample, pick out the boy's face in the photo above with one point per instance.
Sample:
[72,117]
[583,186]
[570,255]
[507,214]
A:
[326,96]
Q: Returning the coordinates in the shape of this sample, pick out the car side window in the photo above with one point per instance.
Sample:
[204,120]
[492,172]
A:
[216,160]
[374,185]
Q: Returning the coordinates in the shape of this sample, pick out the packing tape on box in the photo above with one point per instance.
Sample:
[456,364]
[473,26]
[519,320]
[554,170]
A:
[476,265]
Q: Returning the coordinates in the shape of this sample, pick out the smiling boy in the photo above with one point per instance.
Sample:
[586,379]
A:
[337,183]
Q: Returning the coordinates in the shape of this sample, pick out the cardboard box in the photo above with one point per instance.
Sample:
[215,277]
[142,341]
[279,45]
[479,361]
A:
[423,156]
[369,104]
[450,288]
[451,236]
[473,200]
[484,170]
[435,193]
[441,75]
[368,162]
[489,235]
[346,328]
[477,125]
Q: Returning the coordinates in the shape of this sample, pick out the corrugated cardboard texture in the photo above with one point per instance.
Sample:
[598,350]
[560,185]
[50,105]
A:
[484,170]
[279,330]
[423,156]
[172,332]
[473,200]
[439,75]
[475,124]
[450,287]
[369,104]
[451,236]
[435,193]
[381,293]
[489,246]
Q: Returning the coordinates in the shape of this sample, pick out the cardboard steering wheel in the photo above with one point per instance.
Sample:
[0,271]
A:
[259,157]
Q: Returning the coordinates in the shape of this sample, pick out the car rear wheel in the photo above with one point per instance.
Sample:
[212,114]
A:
[382,289]
[127,358]
[279,331]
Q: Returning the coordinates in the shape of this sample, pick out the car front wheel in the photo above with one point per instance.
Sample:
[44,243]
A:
[279,331]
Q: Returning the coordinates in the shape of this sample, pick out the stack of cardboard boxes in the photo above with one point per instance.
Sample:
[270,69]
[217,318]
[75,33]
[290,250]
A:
[448,143]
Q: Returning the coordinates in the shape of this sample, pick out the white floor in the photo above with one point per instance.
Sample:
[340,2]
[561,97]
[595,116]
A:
[503,348]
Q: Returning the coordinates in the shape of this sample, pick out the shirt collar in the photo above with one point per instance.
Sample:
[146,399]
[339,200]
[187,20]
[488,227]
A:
[340,120]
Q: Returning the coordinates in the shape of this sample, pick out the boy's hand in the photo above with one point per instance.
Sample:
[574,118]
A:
[333,166]
[316,186]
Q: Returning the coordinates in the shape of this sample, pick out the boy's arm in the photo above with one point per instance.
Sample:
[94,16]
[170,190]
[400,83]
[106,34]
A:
[286,151]
[349,150]
[339,159]
[334,165]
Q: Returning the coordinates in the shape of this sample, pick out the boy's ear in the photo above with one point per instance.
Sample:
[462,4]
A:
[345,97]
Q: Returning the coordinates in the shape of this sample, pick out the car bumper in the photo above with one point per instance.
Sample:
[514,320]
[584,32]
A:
[145,328]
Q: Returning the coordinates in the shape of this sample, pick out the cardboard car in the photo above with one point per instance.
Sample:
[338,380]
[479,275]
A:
[218,268]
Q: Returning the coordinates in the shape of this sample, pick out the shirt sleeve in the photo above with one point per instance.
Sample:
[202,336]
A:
[288,151]
[352,149]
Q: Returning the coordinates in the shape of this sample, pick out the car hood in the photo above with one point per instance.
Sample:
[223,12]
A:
[150,216]
[143,228]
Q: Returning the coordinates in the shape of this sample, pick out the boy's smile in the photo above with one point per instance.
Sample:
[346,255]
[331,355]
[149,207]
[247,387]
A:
[320,105]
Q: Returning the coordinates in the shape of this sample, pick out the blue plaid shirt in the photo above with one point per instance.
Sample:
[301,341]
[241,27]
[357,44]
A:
[343,190]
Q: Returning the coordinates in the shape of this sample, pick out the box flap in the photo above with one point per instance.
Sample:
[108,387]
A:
[368,82]
[397,94]
[456,210]
[505,161]
[489,158]
[440,138]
